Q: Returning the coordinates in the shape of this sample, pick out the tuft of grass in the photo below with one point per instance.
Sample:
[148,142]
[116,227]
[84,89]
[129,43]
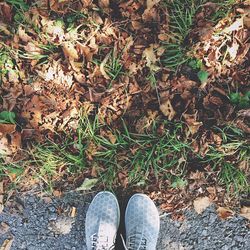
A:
[139,154]
[224,9]
[20,7]
[113,66]
[226,158]
[181,14]
[233,178]
[181,17]
[51,162]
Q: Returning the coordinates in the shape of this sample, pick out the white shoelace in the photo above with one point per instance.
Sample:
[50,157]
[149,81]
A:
[136,242]
[101,241]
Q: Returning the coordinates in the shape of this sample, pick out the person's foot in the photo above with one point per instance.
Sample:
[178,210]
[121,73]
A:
[142,223]
[102,222]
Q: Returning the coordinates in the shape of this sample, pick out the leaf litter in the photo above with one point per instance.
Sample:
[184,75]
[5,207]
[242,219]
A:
[104,58]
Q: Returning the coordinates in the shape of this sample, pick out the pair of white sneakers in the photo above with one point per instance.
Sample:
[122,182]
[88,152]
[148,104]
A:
[142,223]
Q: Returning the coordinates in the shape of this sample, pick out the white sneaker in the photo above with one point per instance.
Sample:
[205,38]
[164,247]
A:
[142,223]
[102,222]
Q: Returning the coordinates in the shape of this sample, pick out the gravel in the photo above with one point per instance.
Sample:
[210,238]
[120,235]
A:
[51,223]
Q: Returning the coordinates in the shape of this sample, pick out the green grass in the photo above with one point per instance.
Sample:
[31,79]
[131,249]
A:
[226,159]
[141,157]
[181,14]
[233,178]
[181,18]
[112,66]
[20,7]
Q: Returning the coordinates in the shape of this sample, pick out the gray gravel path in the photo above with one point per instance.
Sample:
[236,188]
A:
[50,224]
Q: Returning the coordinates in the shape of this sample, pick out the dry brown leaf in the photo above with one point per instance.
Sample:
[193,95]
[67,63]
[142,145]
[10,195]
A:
[201,203]
[4,228]
[5,11]
[1,197]
[23,35]
[224,213]
[4,28]
[73,212]
[150,56]
[69,50]
[7,244]
[246,21]
[7,128]
[245,212]
[102,67]
[103,3]
[152,3]
[167,109]
[192,123]
[123,178]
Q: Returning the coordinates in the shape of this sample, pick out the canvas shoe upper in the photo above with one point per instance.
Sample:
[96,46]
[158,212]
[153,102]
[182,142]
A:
[142,223]
[102,222]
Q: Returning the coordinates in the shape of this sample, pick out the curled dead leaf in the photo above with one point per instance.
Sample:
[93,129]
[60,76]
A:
[224,213]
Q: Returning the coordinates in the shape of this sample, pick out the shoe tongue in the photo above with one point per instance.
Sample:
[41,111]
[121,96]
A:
[104,239]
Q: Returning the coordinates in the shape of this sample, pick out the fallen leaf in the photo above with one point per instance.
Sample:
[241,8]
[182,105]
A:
[7,244]
[245,212]
[150,56]
[57,193]
[238,24]
[62,225]
[4,228]
[201,203]
[192,123]
[152,3]
[23,35]
[102,67]
[224,213]
[233,50]
[73,212]
[5,11]
[1,197]
[88,184]
[167,109]
[103,3]
[69,50]
[123,178]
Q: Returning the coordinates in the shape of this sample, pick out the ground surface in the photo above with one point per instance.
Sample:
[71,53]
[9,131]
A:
[58,223]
